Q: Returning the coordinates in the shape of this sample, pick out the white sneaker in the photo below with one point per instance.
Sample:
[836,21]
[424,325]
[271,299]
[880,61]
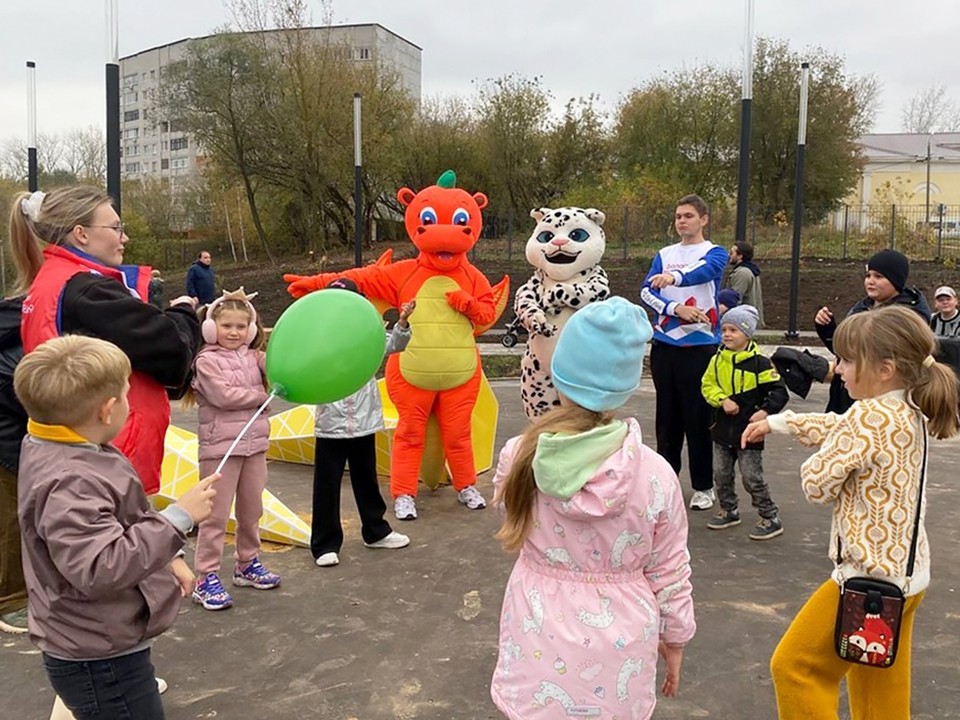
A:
[161,685]
[328,560]
[472,498]
[392,541]
[405,507]
[702,499]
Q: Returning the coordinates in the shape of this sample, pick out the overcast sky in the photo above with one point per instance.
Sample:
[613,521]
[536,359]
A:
[577,46]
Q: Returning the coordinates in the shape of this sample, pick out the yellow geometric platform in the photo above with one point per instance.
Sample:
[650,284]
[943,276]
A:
[180,472]
[291,436]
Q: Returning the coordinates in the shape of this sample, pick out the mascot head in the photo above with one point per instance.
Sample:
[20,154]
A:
[442,220]
[566,241]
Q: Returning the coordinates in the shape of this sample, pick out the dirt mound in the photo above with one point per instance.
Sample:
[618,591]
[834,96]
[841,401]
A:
[836,283]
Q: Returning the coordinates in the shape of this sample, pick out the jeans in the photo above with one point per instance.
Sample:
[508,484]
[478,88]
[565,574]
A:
[751,473]
[120,688]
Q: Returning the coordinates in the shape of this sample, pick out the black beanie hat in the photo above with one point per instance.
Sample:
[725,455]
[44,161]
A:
[894,266]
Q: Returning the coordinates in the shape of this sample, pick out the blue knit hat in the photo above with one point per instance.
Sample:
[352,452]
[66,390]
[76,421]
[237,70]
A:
[599,355]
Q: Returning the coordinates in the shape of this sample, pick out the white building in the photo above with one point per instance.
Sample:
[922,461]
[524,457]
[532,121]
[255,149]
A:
[151,147]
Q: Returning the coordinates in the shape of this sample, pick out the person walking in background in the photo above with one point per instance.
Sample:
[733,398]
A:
[743,387]
[681,287]
[602,583]
[155,289]
[201,280]
[744,277]
[946,321]
[885,284]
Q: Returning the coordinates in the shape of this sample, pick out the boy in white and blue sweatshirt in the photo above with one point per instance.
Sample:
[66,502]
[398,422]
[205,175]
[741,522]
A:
[682,287]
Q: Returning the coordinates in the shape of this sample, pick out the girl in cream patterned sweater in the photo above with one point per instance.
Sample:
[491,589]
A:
[868,468]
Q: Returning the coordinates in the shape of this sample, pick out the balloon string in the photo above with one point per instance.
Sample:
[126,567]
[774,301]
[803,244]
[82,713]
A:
[233,445]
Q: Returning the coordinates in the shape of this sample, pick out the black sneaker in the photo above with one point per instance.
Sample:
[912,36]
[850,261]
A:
[723,519]
[767,528]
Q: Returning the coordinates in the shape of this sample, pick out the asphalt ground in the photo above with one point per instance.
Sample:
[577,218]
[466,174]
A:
[412,633]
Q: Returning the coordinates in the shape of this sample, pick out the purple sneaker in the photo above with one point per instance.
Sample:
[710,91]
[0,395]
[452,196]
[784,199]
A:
[255,575]
[210,593]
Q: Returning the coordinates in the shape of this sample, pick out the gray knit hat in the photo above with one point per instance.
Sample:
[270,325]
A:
[745,317]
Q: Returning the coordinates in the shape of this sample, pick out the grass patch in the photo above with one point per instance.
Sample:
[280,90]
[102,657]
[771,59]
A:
[501,366]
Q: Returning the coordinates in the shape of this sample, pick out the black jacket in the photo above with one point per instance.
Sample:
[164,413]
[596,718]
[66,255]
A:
[840,401]
[13,418]
[159,343]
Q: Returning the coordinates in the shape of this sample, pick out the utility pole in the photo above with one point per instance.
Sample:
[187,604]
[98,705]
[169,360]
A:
[33,180]
[357,184]
[743,182]
[113,103]
[792,331]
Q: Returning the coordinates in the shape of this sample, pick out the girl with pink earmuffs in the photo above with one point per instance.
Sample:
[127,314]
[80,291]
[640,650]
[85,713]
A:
[229,385]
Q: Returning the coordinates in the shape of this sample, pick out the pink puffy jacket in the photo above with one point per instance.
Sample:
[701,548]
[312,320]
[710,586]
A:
[229,389]
[602,577]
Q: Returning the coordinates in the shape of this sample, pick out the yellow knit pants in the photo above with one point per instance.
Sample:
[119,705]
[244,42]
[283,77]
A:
[807,672]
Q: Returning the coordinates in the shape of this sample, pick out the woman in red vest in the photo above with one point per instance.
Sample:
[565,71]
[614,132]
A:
[68,248]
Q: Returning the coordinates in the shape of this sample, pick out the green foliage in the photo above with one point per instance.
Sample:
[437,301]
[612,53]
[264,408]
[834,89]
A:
[682,128]
[839,111]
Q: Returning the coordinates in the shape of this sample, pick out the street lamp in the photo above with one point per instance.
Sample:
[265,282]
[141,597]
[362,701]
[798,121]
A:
[357,184]
[113,102]
[33,181]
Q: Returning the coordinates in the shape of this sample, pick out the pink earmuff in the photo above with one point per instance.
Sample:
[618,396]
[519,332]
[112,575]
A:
[209,326]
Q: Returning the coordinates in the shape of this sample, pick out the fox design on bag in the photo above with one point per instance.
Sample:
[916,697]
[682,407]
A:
[867,628]
[874,640]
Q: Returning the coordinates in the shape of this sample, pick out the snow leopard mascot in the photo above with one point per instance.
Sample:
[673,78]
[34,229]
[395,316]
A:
[565,250]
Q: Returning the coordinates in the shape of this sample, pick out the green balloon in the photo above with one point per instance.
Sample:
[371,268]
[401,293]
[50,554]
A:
[325,347]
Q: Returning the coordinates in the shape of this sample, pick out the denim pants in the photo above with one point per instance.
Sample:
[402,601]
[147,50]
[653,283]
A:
[120,688]
[751,473]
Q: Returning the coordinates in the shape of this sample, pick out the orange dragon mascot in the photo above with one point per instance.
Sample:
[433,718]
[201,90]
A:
[439,372]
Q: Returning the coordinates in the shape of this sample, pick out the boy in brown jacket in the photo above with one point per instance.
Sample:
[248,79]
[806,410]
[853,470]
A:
[102,568]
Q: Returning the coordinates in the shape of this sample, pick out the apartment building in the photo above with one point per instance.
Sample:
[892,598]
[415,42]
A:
[152,147]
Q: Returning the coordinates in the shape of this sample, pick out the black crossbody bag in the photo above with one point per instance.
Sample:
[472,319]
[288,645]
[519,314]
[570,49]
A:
[870,611]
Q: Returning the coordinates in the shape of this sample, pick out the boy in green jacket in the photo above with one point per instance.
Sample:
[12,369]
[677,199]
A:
[742,386]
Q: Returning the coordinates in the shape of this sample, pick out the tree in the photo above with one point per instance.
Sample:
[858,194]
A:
[577,148]
[442,136]
[220,92]
[840,110]
[275,108]
[929,111]
[682,129]
[513,124]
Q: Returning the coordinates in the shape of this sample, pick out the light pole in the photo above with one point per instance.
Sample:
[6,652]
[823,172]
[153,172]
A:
[743,182]
[33,181]
[113,103]
[798,202]
[357,184]
[928,182]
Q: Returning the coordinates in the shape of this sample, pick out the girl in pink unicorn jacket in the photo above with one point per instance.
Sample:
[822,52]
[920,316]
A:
[602,583]
[229,387]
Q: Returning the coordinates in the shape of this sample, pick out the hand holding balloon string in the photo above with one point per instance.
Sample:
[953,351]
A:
[323,348]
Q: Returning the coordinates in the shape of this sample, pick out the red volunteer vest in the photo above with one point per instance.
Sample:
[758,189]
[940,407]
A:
[142,437]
